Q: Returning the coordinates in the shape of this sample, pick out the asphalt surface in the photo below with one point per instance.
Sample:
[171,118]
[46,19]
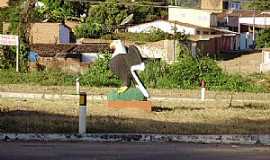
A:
[129,151]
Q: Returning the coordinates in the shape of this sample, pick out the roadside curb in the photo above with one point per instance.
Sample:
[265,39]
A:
[118,137]
[104,97]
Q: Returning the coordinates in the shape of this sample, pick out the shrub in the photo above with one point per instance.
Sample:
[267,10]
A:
[153,36]
[99,74]
[89,30]
[263,39]
[187,72]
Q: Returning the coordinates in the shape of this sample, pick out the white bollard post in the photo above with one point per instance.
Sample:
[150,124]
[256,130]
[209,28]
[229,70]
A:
[202,94]
[83,113]
[202,90]
[77,86]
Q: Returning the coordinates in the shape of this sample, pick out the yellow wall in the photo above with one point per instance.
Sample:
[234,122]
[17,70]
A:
[3,3]
[212,4]
[47,33]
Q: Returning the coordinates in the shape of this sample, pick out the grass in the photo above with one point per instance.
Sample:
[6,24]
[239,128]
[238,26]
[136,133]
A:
[45,116]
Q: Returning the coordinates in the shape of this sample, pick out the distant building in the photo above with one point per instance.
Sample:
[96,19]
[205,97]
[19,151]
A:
[4,3]
[262,19]
[174,26]
[220,5]
[49,33]
[166,26]
[69,58]
[202,18]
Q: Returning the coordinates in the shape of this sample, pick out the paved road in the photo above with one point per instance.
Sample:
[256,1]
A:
[130,151]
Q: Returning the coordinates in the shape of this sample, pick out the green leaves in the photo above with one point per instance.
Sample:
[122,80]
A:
[259,4]
[187,72]
[108,14]
[99,73]
[263,39]
[89,30]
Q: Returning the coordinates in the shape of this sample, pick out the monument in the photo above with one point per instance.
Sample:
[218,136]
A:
[125,63]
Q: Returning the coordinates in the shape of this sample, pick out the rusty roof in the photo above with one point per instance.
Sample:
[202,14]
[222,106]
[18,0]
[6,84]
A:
[51,50]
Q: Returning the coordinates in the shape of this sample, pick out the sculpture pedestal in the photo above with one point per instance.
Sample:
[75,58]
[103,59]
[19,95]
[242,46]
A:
[144,105]
[132,98]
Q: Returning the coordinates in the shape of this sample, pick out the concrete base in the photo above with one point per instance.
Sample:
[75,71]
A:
[122,137]
[144,105]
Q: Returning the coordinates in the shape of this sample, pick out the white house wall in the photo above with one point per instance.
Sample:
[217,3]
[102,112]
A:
[196,17]
[265,65]
[165,26]
[258,20]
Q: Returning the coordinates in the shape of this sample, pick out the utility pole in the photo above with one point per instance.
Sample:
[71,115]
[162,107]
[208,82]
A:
[254,16]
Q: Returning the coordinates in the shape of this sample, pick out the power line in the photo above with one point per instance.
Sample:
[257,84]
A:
[157,5]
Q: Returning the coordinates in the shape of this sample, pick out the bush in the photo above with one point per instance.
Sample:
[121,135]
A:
[154,36]
[89,30]
[99,74]
[185,73]
[263,39]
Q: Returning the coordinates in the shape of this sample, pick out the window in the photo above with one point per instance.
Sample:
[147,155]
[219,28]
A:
[225,5]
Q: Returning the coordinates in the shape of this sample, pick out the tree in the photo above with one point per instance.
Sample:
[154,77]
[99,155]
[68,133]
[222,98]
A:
[259,4]
[263,39]
[109,14]
[89,30]
[58,10]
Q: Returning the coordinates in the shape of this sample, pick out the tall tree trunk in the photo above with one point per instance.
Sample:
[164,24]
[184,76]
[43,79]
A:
[25,24]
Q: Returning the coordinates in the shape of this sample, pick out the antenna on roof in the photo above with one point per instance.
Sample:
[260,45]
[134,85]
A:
[127,20]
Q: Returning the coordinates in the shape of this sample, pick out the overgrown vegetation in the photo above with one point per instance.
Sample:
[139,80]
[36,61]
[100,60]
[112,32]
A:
[263,39]
[57,11]
[258,4]
[154,36]
[185,73]
[109,15]
[99,74]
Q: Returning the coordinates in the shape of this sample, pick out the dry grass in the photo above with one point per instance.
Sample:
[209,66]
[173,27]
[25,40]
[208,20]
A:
[175,117]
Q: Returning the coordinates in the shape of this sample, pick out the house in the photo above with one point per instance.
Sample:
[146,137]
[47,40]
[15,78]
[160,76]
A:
[197,17]
[220,5]
[229,20]
[265,65]
[174,27]
[4,3]
[164,49]
[70,58]
[212,45]
[259,19]
[168,27]
[243,22]
[49,33]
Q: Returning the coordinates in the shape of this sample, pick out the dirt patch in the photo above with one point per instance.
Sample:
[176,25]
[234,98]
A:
[247,64]
[32,116]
